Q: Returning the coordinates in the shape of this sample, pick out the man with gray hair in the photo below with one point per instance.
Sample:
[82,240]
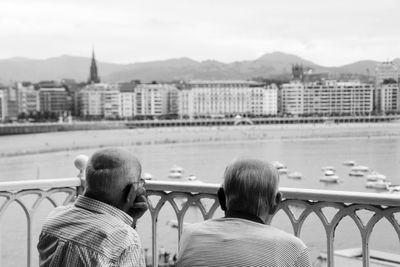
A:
[99,228]
[249,196]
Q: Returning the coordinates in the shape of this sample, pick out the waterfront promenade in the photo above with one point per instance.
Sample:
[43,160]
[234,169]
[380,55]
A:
[27,128]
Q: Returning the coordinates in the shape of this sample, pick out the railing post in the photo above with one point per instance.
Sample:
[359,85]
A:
[154,240]
[29,240]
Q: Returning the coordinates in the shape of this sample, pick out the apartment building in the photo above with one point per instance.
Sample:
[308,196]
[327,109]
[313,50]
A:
[54,100]
[390,97]
[292,98]
[91,100]
[155,99]
[333,97]
[385,72]
[28,98]
[3,105]
[327,97]
[211,98]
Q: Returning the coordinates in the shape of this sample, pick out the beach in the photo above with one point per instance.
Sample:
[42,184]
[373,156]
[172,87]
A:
[77,140]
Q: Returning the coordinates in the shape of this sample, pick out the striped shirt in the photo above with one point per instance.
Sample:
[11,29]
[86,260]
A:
[233,241]
[89,233]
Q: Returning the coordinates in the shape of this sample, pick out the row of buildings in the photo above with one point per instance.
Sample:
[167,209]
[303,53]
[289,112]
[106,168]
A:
[194,99]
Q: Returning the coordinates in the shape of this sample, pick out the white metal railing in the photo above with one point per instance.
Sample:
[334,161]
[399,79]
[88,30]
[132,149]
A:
[312,202]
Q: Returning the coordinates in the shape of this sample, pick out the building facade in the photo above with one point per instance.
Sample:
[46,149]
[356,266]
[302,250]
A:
[292,98]
[3,105]
[385,72]
[227,98]
[327,98]
[54,100]
[155,99]
[390,97]
[28,98]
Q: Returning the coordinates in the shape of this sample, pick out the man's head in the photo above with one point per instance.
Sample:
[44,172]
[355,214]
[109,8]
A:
[251,186]
[112,176]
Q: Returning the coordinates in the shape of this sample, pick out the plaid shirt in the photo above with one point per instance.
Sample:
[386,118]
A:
[89,233]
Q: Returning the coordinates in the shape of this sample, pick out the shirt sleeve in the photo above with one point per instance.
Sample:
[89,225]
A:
[304,259]
[132,256]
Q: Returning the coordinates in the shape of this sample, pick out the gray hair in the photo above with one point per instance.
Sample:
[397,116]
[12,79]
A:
[107,170]
[249,185]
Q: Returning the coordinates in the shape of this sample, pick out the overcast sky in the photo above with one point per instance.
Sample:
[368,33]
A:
[327,32]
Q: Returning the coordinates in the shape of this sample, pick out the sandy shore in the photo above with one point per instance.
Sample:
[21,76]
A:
[60,141]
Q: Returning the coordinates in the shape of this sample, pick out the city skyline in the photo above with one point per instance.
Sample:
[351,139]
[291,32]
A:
[329,33]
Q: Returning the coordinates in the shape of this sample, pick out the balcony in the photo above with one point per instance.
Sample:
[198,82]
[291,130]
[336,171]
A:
[327,207]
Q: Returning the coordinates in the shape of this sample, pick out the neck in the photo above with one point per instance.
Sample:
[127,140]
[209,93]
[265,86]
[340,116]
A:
[244,215]
[103,198]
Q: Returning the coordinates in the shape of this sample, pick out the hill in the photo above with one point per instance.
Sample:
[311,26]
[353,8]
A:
[270,65]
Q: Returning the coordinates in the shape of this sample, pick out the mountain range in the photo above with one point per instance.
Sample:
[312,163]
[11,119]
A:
[270,65]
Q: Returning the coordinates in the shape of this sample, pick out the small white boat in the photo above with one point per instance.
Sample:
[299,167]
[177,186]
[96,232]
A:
[329,173]
[175,172]
[356,173]
[349,163]
[328,168]
[394,189]
[193,179]
[330,179]
[295,175]
[147,176]
[278,165]
[283,170]
[375,176]
[380,184]
[360,168]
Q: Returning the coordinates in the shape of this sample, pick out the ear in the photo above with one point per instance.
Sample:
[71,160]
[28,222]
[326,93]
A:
[221,198]
[275,204]
[130,194]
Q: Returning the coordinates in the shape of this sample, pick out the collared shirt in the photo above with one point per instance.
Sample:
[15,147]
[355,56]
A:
[89,233]
[240,239]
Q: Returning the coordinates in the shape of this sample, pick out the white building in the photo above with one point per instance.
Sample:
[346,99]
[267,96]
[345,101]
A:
[3,105]
[216,98]
[28,98]
[112,102]
[292,98]
[327,97]
[154,99]
[389,97]
[385,72]
[91,100]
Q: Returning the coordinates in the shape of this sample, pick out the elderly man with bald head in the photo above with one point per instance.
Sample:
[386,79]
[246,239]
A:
[99,228]
[249,196]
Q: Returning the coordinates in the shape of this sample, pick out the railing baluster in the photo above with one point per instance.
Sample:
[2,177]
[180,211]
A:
[384,205]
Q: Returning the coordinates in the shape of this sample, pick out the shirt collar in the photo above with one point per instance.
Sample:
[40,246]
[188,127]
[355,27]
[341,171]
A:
[101,207]
[243,215]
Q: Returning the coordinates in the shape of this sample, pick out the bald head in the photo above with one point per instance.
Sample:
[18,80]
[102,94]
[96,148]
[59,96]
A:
[250,185]
[109,171]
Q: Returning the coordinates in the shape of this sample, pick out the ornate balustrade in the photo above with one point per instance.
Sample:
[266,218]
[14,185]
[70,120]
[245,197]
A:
[306,202]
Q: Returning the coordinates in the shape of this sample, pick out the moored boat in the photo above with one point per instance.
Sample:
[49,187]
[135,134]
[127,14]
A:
[349,163]
[328,168]
[375,176]
[330,178]
[175,172]
[360,168]
[380,184]
[356,173]
[295,175]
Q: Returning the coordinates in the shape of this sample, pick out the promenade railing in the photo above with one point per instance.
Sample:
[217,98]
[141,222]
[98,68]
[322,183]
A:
[344,204]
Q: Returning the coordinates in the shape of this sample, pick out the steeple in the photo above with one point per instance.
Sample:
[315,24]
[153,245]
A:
[93,78]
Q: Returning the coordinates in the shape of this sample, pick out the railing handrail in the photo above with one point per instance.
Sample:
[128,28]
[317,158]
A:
[211,188]
[40,184]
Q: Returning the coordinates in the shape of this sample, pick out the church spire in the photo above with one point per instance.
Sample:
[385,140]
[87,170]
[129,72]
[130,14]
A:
[93,78]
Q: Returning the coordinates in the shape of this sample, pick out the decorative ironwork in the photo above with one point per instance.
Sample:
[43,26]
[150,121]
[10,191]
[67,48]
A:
[307,202]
